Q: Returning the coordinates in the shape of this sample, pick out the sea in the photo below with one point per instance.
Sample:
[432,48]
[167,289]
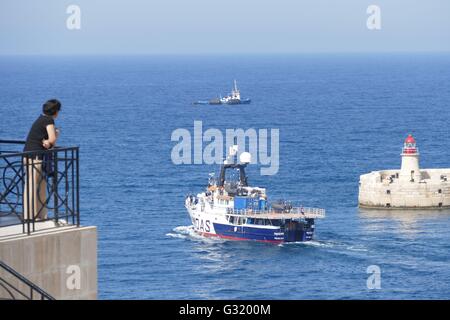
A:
[338,116]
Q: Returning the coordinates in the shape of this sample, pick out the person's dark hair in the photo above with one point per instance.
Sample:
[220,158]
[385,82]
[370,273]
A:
[51,107]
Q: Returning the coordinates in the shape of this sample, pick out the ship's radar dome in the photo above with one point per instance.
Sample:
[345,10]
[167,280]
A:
[245,157]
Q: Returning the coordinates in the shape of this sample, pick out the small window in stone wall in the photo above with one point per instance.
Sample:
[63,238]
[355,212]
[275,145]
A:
[440,204]
[388,191]
[440,191]
[388,205]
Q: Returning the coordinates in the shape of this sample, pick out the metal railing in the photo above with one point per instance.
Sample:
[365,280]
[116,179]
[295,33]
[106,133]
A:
[304,211]
[38,186]
[13,292]
[410,150]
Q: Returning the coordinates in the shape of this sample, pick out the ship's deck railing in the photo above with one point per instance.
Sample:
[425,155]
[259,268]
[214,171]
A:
[38,186]
[305,212]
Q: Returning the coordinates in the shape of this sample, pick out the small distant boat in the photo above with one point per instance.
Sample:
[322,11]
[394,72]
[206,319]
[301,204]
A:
[233,98]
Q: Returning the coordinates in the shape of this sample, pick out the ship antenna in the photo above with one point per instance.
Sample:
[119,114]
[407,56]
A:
[236,146]
[232,153]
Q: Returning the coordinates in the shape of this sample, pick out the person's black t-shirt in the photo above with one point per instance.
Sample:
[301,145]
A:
[38,132]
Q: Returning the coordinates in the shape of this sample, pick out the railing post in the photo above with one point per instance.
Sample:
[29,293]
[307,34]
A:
[78,186]
[66,187]
[23,193]
[55,184]
[35,196]
[72,165]
[26,213]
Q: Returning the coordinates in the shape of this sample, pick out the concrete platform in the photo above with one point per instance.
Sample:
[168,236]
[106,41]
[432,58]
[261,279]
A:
[55,257]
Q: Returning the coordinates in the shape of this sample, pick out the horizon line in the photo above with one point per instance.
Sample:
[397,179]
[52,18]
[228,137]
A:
[230,53]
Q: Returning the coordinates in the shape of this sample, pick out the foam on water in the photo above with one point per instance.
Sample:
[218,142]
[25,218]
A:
[188,232]
[327,244]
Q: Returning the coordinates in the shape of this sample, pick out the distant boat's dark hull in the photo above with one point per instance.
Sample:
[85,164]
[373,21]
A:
[215,101]
[218,102]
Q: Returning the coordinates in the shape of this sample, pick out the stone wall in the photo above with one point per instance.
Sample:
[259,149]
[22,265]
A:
[376,189]
[52,259]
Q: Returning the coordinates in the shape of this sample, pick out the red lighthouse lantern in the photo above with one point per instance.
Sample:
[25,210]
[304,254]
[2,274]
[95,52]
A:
[409,147]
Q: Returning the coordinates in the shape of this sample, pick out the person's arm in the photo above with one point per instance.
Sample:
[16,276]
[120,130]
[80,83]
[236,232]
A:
[51,141]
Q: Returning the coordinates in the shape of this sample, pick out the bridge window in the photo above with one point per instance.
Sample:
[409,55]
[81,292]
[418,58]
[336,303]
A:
[259,222]
[276,222]
[241,221]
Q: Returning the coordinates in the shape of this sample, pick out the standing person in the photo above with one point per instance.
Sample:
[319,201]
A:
[42,136]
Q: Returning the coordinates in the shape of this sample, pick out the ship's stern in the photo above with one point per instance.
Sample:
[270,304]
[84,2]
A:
[298,231]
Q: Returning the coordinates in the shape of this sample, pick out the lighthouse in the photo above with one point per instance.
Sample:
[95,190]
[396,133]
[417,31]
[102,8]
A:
[407,188]
[410,161]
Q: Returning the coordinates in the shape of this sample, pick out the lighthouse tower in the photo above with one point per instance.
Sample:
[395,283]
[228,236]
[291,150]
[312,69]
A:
[410,161]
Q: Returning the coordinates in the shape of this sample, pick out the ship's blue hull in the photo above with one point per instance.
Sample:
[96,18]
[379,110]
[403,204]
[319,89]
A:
[303,232]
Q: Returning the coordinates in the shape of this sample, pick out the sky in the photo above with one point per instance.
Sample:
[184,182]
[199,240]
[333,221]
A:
[222,26]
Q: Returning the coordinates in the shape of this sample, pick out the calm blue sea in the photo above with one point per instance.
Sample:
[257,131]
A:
[339,116]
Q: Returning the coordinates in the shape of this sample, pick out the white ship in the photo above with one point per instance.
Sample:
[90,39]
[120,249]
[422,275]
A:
[233,98]
[231,209]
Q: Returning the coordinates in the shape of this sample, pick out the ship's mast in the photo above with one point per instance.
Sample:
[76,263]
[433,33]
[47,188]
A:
[235,93]
[231,162]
